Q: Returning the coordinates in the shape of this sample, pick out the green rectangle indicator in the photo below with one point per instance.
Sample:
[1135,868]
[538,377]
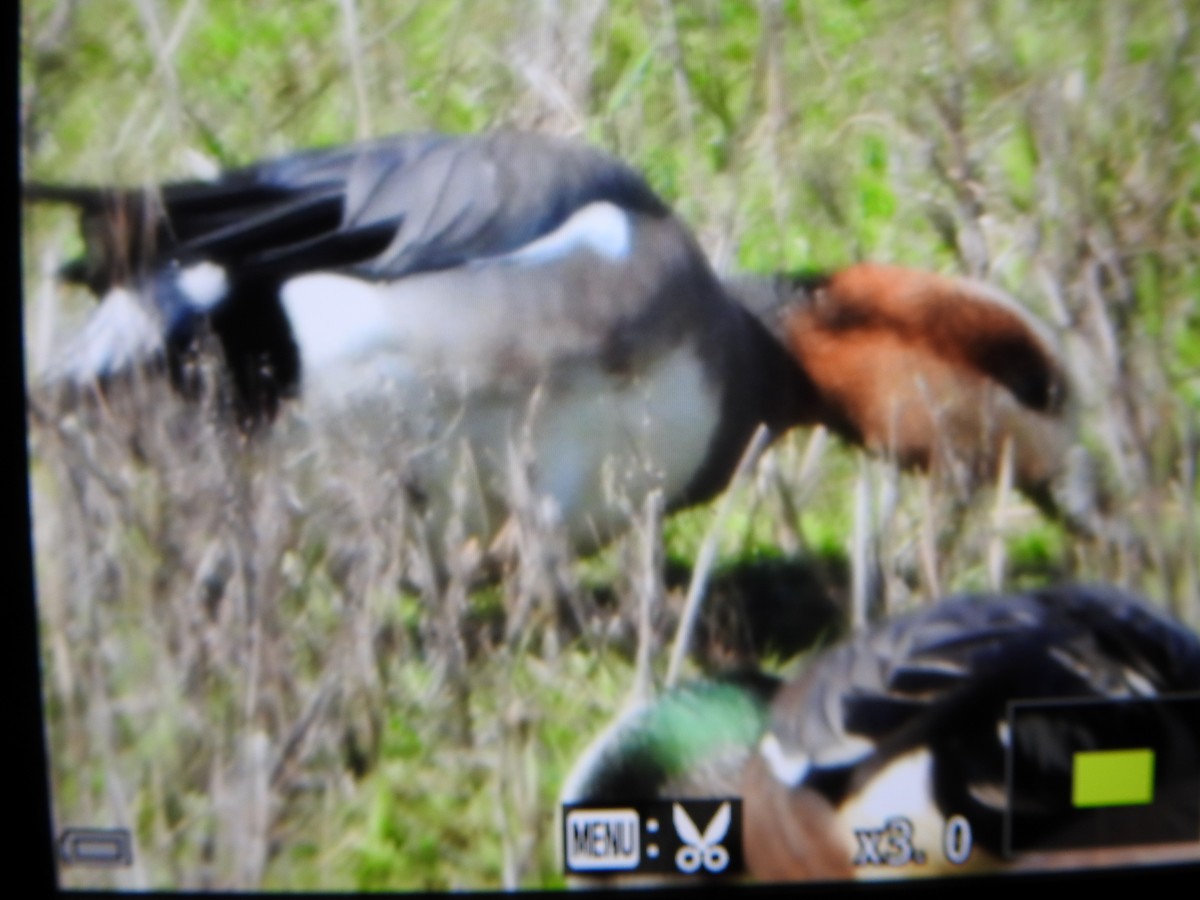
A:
[1112,778]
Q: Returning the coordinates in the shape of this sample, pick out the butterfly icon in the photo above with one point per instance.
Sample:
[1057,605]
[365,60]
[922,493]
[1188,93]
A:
[702,849]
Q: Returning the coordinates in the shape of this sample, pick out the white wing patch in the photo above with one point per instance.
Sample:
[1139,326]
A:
[601,227]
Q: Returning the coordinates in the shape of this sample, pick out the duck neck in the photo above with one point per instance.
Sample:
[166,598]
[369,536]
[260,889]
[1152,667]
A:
[789,396]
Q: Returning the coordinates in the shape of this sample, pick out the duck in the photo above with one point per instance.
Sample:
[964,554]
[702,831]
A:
[937,373]
[456,303]
[887,755]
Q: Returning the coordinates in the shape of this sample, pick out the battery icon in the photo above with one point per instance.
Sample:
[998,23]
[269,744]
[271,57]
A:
[1112,778]
[1075,783]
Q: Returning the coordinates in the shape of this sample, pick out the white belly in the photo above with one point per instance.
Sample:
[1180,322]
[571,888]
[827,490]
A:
[594,443]
[600,447]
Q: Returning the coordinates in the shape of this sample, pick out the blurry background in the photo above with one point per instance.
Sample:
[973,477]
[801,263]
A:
[238,666]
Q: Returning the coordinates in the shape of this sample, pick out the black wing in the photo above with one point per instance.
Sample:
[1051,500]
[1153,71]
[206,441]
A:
[381,209]
[943,678]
